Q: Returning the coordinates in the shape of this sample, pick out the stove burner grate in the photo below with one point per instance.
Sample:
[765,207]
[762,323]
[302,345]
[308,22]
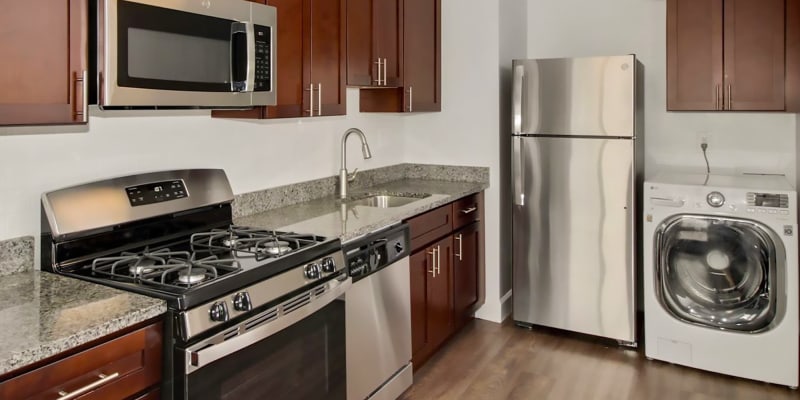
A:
[251,242]
[164,268]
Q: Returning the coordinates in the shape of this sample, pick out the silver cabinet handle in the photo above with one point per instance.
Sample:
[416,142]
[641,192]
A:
[432,253]
[517,171]
[460,254]
[516,96]
[378,81]
[319,99]
[384,72]
[438,261]
[410,99]
[103,379]
[717,97]
[311,99]
[730,98]
[469,210]
[84,113]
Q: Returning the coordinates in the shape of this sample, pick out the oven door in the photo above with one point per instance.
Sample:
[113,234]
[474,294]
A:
[185,53]
[295,350]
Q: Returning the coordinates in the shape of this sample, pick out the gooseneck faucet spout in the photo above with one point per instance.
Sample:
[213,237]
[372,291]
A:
[344,176]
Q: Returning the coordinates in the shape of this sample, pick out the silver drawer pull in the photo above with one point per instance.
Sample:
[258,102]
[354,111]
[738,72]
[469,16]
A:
[100,382]
[469,210]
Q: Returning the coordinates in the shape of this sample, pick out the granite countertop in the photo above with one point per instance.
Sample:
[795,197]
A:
[44,314]
[329,216]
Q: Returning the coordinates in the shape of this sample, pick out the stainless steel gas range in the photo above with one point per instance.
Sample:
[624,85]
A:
[252,313]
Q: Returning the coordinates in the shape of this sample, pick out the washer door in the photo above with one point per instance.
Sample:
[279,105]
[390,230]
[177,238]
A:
[718,272]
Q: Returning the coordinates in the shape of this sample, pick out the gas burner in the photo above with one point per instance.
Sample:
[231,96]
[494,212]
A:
[242,241]
[191,277]
[146,266]
[275,248]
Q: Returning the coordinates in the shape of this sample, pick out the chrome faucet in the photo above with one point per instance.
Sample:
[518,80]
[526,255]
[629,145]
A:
[345,177]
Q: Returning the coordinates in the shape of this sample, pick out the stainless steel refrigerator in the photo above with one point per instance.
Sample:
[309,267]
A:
[575,167]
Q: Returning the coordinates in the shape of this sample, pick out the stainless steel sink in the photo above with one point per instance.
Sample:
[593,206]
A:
[387,200]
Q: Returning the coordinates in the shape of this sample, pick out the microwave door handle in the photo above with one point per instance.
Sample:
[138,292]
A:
[243,82]
[251,56]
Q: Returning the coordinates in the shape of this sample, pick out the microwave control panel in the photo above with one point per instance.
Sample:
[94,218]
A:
[263,58]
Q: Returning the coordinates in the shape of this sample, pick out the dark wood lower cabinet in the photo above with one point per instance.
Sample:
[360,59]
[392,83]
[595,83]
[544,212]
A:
[431,299]
[446,269]
[466,245]
[120,368]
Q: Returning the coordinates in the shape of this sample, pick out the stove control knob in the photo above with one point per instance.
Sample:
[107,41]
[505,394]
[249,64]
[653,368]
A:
[311,271]
[715,199]
[328,265]
[241,302]
[218,312]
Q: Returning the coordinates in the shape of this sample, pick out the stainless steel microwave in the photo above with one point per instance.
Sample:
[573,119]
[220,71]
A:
[184,54]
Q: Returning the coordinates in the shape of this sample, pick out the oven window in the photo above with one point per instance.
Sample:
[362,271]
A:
[161,48]
[303,361]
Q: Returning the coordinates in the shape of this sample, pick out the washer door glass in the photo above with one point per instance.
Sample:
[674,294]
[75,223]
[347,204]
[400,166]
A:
[718,272]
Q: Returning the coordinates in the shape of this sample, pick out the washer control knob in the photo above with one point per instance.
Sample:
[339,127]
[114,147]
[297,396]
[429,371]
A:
[715,199]
[328,265]
[241,302]
[311,271]
[218,312]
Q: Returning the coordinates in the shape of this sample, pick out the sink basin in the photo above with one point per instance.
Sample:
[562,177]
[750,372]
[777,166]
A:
[387,200]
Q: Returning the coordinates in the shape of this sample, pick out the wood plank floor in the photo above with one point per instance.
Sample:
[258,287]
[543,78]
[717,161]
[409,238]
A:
[492,361]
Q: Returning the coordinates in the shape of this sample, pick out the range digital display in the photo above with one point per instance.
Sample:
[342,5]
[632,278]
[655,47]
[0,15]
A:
[156,192]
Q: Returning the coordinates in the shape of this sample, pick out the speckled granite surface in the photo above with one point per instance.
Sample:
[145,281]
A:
[43,314]
[16,255]
[283,196]
[330,217]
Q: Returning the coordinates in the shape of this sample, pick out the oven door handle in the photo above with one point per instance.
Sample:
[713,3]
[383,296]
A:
[212,349]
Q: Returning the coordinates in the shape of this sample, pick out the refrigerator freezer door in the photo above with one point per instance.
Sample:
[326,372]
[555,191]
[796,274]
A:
[573,239]
[591,96]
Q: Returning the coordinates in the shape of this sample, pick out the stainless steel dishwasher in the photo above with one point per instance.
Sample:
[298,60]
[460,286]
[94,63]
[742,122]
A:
[378,315]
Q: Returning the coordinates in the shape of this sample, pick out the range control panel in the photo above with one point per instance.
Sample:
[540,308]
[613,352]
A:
[156,192]
[376,251]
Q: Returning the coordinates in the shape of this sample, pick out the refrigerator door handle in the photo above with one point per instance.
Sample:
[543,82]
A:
[516,106]
[517,170]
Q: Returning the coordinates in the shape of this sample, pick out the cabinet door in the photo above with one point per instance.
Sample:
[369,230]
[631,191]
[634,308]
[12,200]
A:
[466,255]
[328,62]
[754,54]
[694,55]
[374,32]
[431,299]
[387,43]
[43,61]
[422,55]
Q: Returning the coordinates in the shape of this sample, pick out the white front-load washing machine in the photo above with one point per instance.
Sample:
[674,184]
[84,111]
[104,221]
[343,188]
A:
[720,274]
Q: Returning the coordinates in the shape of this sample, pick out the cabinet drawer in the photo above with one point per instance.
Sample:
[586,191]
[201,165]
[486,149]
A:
[117,369]
[430,226]
[466,210]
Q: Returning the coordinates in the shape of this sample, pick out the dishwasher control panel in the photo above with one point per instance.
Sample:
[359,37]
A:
[376,250]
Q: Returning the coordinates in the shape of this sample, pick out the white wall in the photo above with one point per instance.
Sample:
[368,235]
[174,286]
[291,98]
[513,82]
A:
[465,132]
[738,142]
[255,154]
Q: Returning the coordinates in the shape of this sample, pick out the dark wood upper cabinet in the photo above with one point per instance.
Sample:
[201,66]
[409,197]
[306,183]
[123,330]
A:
[421,63]
[793,55]
[422,55]
[729,55]
[311,64]
[43,62]
[374,43]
